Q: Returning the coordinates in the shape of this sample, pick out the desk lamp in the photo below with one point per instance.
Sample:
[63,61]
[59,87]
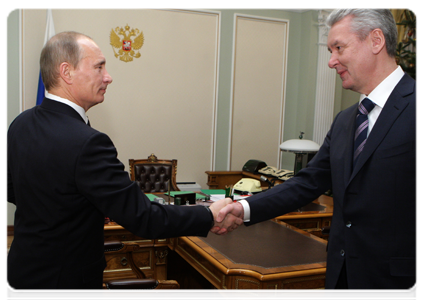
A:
[302,149]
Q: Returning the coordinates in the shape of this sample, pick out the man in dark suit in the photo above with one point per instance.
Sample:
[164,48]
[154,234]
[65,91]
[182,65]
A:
[372,242]
[64,178]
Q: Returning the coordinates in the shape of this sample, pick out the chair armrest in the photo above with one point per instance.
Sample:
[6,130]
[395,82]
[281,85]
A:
[325,230]
[141,284]
[113,246]
[132,284]
[118,246]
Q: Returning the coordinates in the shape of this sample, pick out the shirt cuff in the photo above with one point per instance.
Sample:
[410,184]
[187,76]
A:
[246,207]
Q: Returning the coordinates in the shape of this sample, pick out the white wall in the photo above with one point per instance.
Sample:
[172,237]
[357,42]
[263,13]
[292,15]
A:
[163,102]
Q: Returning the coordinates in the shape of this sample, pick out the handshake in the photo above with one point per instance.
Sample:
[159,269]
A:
[228,215]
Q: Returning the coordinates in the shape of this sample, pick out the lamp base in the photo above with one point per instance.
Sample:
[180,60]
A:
[301,161]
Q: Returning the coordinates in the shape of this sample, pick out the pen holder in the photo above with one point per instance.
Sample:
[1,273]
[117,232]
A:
[228,193]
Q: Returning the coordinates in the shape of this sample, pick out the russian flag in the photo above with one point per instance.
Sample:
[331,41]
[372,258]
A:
[49,33]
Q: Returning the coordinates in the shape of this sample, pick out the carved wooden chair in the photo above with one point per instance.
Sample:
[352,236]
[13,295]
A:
[141,282]
[153,175]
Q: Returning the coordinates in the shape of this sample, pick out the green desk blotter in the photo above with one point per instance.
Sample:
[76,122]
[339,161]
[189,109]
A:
[213,192]
[151,196]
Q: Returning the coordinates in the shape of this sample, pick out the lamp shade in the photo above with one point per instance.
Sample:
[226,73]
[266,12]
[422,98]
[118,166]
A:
[299,146]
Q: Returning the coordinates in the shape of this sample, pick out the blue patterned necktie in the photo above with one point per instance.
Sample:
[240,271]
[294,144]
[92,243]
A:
[361,126]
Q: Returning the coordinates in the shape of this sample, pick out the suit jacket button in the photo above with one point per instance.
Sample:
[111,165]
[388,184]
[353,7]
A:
[342,252]
[348,224]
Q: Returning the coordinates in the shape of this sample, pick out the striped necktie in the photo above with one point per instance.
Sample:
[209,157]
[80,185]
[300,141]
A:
[361,126]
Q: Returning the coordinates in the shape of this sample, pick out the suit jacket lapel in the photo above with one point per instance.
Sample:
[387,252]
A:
[390,112]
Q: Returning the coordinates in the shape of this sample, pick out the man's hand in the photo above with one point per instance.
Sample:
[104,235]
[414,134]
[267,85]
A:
[228,216]
[228,222]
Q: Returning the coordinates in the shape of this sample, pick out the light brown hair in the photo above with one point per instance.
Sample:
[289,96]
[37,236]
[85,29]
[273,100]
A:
[63,47]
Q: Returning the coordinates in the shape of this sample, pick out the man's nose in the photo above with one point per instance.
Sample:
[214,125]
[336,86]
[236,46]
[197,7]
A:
[333,61]
[107,78]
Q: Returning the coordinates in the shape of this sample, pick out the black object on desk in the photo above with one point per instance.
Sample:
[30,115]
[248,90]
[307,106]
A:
[185,197]
[254,165]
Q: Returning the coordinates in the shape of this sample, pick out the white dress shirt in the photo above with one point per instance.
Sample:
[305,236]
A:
[75,106]
[379,96]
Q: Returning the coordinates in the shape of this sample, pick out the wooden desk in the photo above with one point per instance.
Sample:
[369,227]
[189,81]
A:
[309,219]
[231,279]
[293,258]
[312,218]
[220,179]
[266,255]
[151,258]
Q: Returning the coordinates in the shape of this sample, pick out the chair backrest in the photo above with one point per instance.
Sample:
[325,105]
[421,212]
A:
[153,175]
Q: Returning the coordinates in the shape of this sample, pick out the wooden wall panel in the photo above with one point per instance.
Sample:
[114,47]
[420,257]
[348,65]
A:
[258,96]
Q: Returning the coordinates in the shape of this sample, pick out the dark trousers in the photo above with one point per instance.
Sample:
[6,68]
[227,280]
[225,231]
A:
[342,280]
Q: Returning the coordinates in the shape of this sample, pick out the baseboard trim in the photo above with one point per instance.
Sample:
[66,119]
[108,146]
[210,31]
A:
[9,230]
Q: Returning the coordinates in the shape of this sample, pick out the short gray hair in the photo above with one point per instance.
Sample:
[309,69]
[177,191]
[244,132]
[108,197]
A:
[366,20]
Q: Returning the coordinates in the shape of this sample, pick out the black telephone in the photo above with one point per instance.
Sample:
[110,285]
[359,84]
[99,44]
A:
[254,165]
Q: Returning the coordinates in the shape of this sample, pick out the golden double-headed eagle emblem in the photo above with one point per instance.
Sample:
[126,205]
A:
[127,47]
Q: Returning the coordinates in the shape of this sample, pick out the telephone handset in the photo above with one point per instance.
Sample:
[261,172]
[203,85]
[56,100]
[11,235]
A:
[268,170]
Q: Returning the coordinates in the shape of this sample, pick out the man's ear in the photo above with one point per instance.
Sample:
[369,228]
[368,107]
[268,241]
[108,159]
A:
[65,71]
[378,40]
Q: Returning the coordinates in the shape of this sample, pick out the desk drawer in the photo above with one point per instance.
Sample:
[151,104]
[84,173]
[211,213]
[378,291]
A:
[150,258]
[118,265]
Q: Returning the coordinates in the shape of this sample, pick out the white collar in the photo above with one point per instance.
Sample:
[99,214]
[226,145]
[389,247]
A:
[382,92]
[75,106]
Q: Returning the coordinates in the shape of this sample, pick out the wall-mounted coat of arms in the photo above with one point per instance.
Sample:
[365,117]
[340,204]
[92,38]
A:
[127,46]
